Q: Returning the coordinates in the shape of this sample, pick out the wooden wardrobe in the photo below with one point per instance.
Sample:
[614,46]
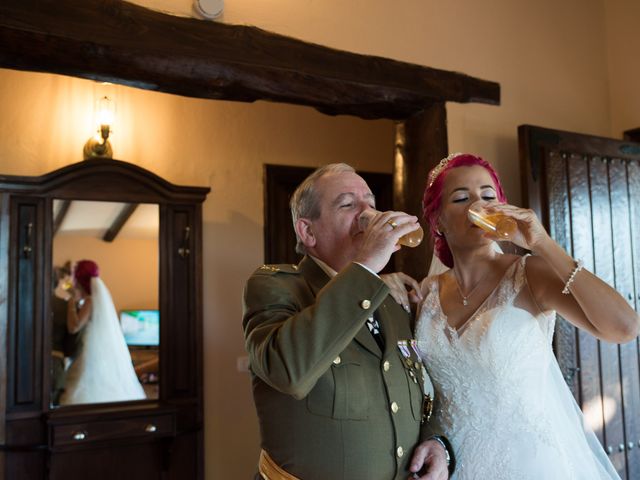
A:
[159,438]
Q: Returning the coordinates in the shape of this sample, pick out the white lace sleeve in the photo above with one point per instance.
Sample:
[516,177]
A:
[546,319]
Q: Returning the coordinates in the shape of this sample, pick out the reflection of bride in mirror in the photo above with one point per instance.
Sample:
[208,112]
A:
[102,371]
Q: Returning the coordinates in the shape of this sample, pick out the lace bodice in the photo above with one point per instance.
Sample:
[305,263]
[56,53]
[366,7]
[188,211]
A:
[496,382]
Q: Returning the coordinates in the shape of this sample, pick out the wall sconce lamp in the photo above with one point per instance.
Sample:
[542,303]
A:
[98,145]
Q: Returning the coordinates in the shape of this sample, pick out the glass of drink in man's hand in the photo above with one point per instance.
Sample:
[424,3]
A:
[411,239]
[496,223]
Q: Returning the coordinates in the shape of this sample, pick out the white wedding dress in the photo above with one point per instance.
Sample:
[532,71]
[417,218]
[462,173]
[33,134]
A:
[102,371]
[502,401]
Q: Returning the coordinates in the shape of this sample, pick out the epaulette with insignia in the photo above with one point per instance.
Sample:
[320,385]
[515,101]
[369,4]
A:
[280,268]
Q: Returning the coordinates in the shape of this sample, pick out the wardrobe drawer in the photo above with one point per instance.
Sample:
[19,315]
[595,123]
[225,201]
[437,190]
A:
[83,433]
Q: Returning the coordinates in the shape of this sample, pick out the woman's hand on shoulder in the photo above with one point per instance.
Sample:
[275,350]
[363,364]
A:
[404,289]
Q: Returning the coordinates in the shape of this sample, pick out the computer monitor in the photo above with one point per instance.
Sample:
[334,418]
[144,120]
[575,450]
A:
[141,327]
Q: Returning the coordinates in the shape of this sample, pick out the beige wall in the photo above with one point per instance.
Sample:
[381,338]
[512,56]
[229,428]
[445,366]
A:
[623,52]
[552,59]
[549,57]
[128,266]
[44,120]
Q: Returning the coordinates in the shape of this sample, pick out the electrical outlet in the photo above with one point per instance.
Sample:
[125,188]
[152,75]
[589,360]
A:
[242,364]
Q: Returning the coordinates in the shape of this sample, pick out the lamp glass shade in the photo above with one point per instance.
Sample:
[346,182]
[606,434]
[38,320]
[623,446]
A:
[105,112]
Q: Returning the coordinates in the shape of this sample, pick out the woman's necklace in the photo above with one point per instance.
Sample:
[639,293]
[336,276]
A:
[465,298]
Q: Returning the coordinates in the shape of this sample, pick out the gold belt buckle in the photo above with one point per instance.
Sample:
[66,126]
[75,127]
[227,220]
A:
[270,470]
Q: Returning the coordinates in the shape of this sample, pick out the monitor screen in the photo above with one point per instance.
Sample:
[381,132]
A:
[141,327]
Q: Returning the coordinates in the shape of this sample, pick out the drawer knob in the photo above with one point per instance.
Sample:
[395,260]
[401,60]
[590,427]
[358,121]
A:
[79,435]
[151,428]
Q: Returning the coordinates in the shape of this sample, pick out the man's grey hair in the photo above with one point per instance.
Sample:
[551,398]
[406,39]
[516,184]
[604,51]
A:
[305,201]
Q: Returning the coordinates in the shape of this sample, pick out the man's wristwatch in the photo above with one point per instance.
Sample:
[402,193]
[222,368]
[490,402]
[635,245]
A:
[448,453]
[446,450]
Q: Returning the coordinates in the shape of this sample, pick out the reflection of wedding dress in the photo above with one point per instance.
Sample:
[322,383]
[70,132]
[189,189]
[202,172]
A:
[503,403]
[102,371]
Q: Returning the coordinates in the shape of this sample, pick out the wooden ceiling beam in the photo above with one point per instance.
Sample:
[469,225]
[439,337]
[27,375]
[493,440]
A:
[111,40]
[61,214]
[126,212]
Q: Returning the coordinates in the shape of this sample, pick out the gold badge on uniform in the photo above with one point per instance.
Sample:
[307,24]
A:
[270,268]
[427,408]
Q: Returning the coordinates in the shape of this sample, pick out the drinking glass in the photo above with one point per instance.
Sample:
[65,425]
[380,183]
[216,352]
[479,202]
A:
[411,239]
[496,223]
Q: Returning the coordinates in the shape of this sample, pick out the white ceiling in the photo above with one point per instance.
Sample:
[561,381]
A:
[93,219]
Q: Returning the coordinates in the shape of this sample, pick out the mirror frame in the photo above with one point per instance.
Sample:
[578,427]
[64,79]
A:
[123,238]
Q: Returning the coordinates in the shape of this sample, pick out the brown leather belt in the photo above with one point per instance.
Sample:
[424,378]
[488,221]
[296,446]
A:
[270,470]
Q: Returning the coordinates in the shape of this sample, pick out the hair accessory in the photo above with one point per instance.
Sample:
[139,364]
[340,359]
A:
[579,266]
[438,168]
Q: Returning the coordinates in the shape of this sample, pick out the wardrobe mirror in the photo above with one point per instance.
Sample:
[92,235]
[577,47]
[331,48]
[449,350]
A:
[105,322]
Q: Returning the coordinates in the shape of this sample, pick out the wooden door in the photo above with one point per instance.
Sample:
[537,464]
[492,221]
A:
[153,439]
[586,190]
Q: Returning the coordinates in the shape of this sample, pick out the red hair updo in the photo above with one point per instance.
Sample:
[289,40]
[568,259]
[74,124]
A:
[85,270]
[432,200]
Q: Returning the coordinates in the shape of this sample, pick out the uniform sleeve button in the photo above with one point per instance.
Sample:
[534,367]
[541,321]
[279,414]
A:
[365,304]
[337,360]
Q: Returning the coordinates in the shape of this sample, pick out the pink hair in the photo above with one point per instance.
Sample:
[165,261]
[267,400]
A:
[83,273]
[432,200]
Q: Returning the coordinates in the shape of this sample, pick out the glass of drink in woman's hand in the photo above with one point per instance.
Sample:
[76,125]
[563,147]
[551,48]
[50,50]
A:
[411,239]
[496,223]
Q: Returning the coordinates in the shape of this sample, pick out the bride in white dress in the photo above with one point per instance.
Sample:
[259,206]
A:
[102,371]
[485,329]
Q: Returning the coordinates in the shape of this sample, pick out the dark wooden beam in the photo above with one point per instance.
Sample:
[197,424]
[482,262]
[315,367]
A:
[126,211]
[62,212]
[421,142]
[115,41]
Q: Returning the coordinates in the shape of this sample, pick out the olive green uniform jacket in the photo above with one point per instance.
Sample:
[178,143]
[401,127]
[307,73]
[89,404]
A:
[331,404]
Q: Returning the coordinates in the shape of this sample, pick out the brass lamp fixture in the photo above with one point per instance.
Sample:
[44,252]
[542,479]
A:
[99,145]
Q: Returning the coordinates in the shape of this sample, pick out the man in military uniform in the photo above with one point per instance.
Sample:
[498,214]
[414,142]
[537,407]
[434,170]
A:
[63,343]
[337,379]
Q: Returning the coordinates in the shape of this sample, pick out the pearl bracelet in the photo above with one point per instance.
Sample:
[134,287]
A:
[572,277]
